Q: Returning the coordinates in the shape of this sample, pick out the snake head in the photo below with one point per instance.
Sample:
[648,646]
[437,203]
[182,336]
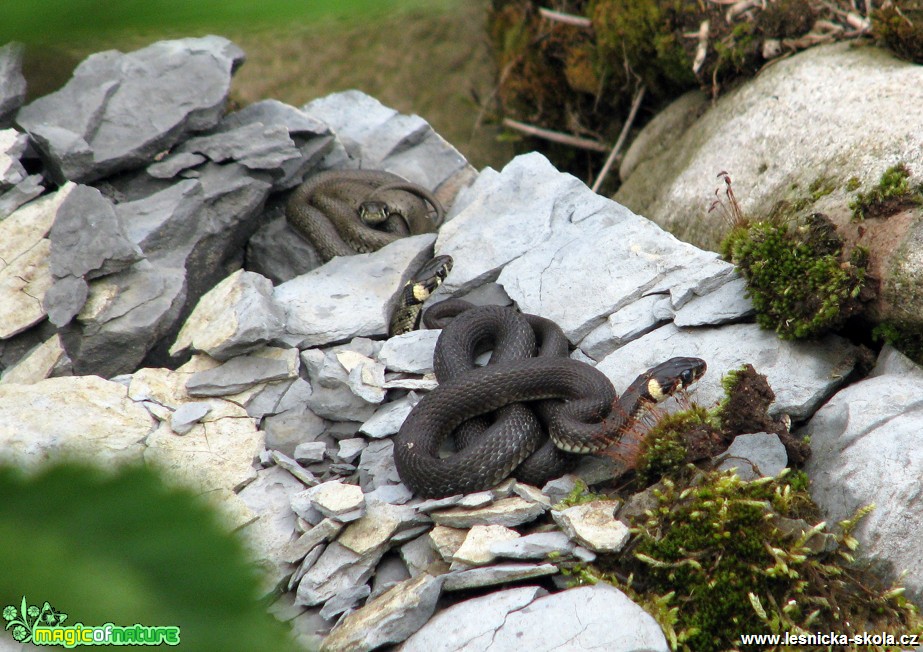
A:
[374,212]
[673,375]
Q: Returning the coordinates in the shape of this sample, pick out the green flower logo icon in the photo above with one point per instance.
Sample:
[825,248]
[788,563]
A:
[24,619]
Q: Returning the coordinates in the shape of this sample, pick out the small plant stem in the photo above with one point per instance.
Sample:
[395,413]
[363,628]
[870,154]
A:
[555,136]
[617,148]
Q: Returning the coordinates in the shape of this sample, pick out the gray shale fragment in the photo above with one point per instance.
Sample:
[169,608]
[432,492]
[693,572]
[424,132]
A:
[12,83]
[119,110]
[755,455]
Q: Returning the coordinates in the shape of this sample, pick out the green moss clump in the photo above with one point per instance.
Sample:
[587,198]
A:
[892,193]
[799,284]
[900,27]
[579,495]
[853,184]
[664,448]
[726,551]
[905,338]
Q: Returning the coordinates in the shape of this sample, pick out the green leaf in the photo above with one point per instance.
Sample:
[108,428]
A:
[124,548]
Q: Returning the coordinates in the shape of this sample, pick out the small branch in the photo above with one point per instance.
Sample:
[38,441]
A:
[567,19]
[639,95]
[555,136]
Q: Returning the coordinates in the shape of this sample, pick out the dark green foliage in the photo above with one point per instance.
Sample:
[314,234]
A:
[799,284]
[900,26]
[123,548]
[892,194]
[907,339]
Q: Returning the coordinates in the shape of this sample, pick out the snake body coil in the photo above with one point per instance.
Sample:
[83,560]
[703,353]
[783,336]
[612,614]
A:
[576,402]
[345,212]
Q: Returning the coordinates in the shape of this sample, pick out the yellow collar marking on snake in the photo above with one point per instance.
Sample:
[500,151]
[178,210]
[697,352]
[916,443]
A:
[420,292]
[655,390]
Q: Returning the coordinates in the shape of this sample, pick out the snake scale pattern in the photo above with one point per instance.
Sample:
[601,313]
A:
[345,212]
[529,384]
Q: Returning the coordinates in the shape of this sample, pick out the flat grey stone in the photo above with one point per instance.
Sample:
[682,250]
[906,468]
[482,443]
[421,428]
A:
[390,618]
[278,253]
[496,574]
[534,546]
[395,494]
[325,531]
[388,418]
[310,452]
[725,304]
[22,193]
[411,352]
[12,82]
[284,431]
[173,164]
[893,362]
[236,316]
[418,554]
[865,450]
[376,465]
[476,549]
[378,525]
[350,449]
[88,241]
[124,317]
[802,374]
[243,372]
[624,325]
[331,396]
[187,415]
[378,137]
[559,488]
[350,296]
[755,455]
[65,298]
[294,468]
[509,512]
[345,601]
[594,525]
[119,110]
[336,570]
[390,572]
[334,499]
[167,222]
[598,617]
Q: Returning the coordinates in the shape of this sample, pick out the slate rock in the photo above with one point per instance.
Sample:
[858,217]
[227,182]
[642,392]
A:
[310,452]
[390,618]
[334,499]
[755,455]
[23,192]
[593,525]
[626,324]
[377,526]
[376,465]
[326,530]
[476,549]
[278,253]
[411,352]
[124,316]
[187,415]
[12,83]
[12,145]
[45,360]
[538,545]
[728,303]
[119,110]
[865,450]
[509,512]
[496,574]
[345,601]
[390,572]
[331,396]
[84,417]
[350,296]
[240,373]
[236,316]
[373,136]
[337,569]
[802,374]
[166,223]
[388,419]
[87,241]
[598,617]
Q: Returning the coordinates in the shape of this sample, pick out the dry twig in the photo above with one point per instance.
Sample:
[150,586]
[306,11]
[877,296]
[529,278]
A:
[617,148]
[567,19]
[555,136]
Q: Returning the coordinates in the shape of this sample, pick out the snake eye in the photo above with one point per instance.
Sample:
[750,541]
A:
[686,378]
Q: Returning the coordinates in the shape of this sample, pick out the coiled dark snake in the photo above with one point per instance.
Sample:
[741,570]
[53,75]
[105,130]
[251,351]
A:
[345,212]
[528,363]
